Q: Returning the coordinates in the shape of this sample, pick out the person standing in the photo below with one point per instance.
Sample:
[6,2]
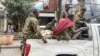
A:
[12,28]
[9,28]
[65,12]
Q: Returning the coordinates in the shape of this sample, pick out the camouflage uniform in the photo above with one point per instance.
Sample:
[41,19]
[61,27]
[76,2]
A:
[50,26]
[31,28]
[64,14]
[79,21]
[66,34]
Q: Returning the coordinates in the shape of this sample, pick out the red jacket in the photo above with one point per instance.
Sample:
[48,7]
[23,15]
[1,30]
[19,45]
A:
[63,24]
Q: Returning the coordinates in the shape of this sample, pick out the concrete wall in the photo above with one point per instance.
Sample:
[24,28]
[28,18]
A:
[1,24]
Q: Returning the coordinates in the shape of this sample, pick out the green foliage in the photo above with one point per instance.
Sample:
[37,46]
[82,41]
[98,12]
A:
[18,9]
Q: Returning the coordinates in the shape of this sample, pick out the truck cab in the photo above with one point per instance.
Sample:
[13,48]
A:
[87,47]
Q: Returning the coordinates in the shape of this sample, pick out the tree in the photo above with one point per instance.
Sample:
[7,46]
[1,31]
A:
[18,10]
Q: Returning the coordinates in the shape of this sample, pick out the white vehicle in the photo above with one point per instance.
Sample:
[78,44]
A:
[89,47]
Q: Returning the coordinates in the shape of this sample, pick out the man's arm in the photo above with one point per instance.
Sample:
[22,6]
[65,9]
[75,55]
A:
[75,30]
[35,26]
[36,29]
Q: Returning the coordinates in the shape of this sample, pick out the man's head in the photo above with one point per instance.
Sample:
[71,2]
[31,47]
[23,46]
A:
[83,10]
[71,17]
[35,13]
[67,7]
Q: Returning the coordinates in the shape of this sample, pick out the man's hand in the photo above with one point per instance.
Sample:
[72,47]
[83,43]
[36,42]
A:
[43,38]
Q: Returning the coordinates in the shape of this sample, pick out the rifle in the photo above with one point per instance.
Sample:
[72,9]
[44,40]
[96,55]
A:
[89,19]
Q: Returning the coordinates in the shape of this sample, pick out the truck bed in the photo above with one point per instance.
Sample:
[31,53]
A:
[54,47]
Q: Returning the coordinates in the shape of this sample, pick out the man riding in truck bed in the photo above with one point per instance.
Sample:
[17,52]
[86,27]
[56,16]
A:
[65,12]
[31,27]
[65,28]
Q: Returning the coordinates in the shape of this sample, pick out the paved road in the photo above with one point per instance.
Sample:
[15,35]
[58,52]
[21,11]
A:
[10,52]
[12,49]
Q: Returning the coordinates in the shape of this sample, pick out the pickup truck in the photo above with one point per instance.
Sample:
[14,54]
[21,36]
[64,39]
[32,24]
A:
[87,47]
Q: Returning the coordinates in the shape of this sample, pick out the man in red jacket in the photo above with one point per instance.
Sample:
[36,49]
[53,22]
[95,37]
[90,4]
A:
[65,28]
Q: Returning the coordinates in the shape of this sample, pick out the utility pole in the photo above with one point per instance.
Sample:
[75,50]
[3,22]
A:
[59,6]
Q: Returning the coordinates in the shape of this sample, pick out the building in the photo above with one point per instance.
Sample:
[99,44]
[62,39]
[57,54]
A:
[3,20]
[48,11]
[48,5]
